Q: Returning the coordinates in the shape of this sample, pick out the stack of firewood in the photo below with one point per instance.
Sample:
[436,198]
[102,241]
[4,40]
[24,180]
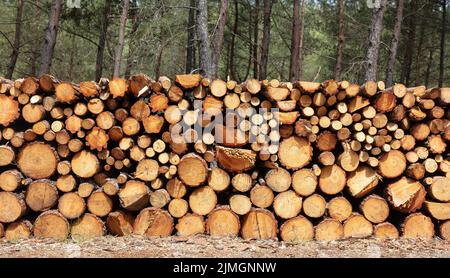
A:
[296,161]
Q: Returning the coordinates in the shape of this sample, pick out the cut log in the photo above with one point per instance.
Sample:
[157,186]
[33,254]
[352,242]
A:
[85,164]
[11,180]
[153,222]
[349,159]
[375,209]
[138,83]
[97,139]
[85,189]
[339,208]
[235,160]
[259,224]
[444,230]
[240,204]
[295,152]
[356,226]
[159,198]
[304,182]
[99,204]
[120,223]
[261,196]
[65,92]
[332,180]
[362,181]
[178,207]
[406,195]
[385,231]
[279,179]
[287,204]
[118,87]
[7,155]
[329,230]
[192,170]
[134,196]
[439,211]
[440,189]
[314,206]
[297,230]
[41,195]
[218,88]
[222,222]
[29,86]
[417,225]
[87,227]
[392,164]
[385,102]
[71,205]
[190,224]
[218,179]
[147,170]
[18,230]
[188,81]
[436,144]
[89,89]
[326,141]
[37,160]
[51,224]
[13,207]
[203,200]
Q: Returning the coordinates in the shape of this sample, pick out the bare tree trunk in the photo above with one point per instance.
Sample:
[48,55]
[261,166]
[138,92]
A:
[16,46]
[50,37]
[424,17]
[394,43]
[202,29]
[121,42]
[102,41]
[295,43]
[341,40]
[409,46]
[190,44]
[131,48]
[302,32]
[442,48]
[374,40]
[255,40]
[232,65]
[429,65]
[218,37]
[265,40]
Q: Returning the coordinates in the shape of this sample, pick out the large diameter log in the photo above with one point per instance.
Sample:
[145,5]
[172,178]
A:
[362,181]
[356,226]
[87,227]
[37,160]
[417,225]
[153,222]
[12,208]
[222,222]
[296,230]
[392,164]
[192,170]
[41,195]
[295,152]
[329,230]
[406,195]
[85,164]
[134,196]
[332,180]
[71,205]
[51,224]
[9,110]
[147,170]
[259,224]
[235,160]
[279,179]
[190,224]
[120,223]
[439,211]
[18,230]
[188,81]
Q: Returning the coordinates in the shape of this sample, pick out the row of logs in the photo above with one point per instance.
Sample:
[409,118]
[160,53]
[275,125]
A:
[259,159]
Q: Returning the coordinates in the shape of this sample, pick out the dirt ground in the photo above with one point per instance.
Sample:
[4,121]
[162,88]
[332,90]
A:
[203,246]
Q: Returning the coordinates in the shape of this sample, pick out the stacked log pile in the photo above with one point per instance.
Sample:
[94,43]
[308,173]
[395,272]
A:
[323,161]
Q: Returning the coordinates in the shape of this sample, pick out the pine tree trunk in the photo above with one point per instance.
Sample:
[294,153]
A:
[255,40]
[341,40]
[218,37]
[202,29]
[394,43]
[15,52]
[102,41]
[265,40]
[190,44]
[374,41]
[442,48]
[232,66]
[295,43]
[134,27]
[121,42]
[50,37]
[409,46]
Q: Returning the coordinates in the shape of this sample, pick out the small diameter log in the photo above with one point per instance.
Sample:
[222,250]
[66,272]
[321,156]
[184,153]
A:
[385,102]
[436,144]
[295,152]
[417,225]
[97,139]
[304,182]
[356,226]
[7,155]
[362,181]
[37,160]
[392,164]
[87,227]
[339,208]
[110,187]
[287,204]
[314,206]
[332,180]
[406,195]
[261,196]
[51,224]
[259,224]
[349,159]
[99,204]
[9,110]
[375,209]
[134,196]
[41,195]
[203,200]
[19,230]
[326,141]
[118,87]
[222,222]
[120,223]
[188,81]
[240,204]
[13,207]
[153,222]
[329,230]
[385,231]
[439,211]
[218,179]
[192,170]
[147,170]
[279,179]
[440,189]
[11,180]
[85,189]
[71,205]
[159,198]
[190,224]
[85,164]
[296,230]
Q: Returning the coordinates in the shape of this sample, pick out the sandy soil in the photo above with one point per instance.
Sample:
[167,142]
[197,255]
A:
[203,246]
